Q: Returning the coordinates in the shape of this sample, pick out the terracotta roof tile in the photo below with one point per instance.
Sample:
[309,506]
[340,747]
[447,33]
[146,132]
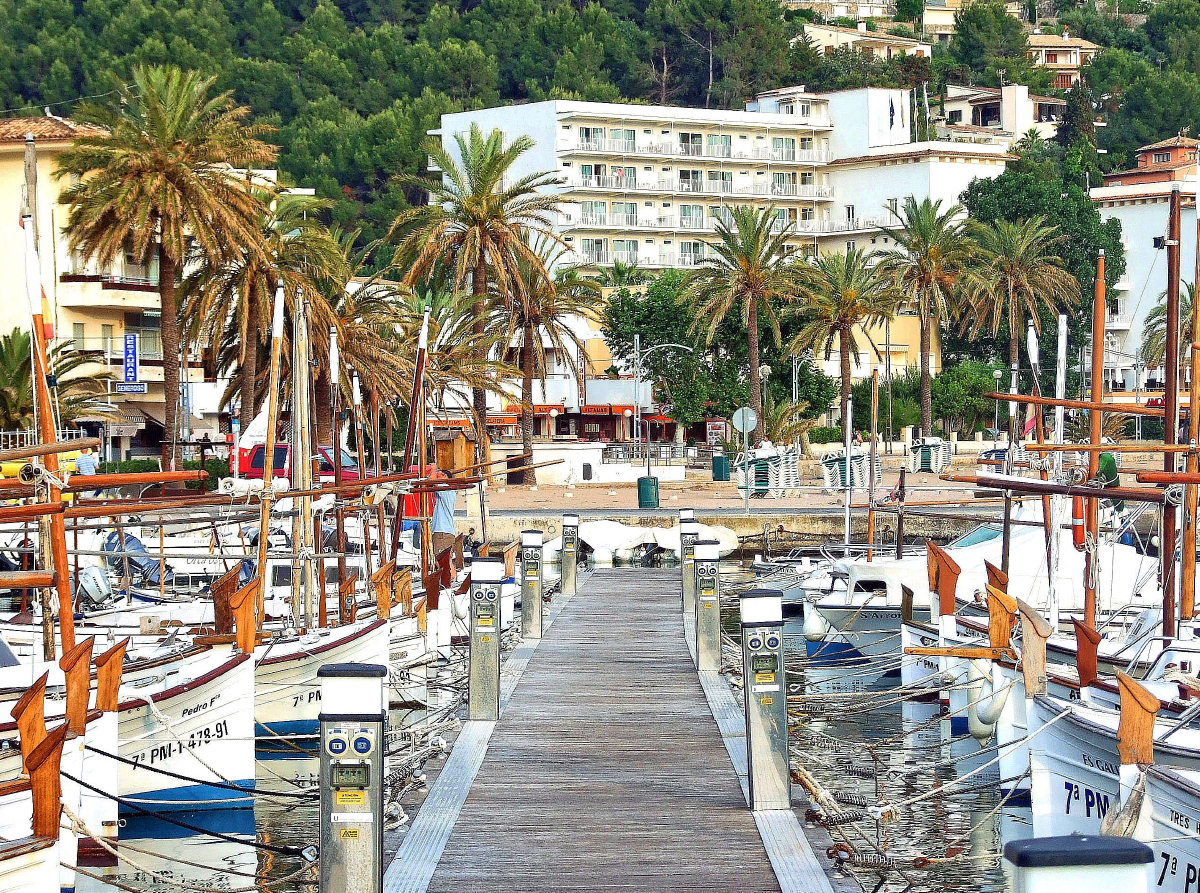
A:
[13,130]
[1175,142]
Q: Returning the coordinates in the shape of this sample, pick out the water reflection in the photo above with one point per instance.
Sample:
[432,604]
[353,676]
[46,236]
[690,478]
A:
[859,739]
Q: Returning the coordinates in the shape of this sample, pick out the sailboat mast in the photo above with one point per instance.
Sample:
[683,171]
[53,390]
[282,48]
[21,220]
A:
[1187,578]
[1099,308]
[264,516]
[46,429]
[335,388]
[1171,414]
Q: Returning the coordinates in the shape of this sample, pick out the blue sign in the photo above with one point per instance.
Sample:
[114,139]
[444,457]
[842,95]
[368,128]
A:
[131,358]
[129,387]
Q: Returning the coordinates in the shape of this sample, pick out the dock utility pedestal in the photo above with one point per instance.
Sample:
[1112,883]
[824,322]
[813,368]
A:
[708,606]
[352,757]
[569,557]
[689,532]
[766,699]
[531,584]
[1080,863]
[483,697]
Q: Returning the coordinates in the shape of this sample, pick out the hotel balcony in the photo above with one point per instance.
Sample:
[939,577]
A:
[689,187]
[687,150]
[1119,322]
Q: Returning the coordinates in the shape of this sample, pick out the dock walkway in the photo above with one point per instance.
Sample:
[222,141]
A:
[606,771]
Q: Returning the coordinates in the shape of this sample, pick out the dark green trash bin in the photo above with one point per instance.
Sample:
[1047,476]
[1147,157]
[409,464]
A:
[647,492]
[720,467]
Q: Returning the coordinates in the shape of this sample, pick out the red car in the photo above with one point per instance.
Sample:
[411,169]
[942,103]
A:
[250,462]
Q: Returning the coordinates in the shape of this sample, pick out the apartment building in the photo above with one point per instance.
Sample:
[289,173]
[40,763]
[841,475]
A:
[1142,208]
[992,114]
[1166,160]
[846,9]
[93,309]
[1063,54]
[878,44]
[648,185]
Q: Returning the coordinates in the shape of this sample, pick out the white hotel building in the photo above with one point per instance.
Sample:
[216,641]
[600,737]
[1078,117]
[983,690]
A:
[647,184]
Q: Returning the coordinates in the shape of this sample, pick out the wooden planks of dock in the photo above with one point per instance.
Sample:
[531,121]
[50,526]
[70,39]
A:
[606,771]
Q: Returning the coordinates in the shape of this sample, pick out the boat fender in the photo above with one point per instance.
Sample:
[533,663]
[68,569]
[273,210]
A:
[815,627]
[1078,532]
[1124,821]
[981,731]
[989,710]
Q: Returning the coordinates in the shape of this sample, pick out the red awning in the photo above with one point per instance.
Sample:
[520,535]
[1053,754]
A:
[504,418]
[661,419]
[621,410]
[538,409]
[594,409]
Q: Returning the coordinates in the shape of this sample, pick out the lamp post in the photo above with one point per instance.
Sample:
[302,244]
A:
[638,353]
[553,423]
[996,374]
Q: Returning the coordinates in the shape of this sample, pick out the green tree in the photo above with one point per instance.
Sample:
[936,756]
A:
[542,308]
[475,226]
[987,39]
[161,181]
[1154,329]
[958,395]
[932,251]
[840,295]
[1016,276]
[79,384]
[748,273]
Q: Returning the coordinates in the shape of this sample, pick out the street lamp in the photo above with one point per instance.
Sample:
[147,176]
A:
[996,374]
[638,353]
[553,428]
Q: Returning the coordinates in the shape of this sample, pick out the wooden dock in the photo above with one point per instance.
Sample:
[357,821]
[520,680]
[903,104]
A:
[606,771]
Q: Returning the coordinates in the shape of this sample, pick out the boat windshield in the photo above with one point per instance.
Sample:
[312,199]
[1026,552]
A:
[978,535]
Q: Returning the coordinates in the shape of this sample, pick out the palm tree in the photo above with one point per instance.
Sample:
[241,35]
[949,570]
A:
[932,251]
[163,178]
[783,422]
[540,308]
[231,300]
[623,274]
[1015,275]
[77,392]
[839,293]
[475,225]
[748,270]
[1154,329]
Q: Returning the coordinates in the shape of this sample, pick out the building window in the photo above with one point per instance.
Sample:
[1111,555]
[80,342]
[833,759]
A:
[808,178]
[954,116]
[593,213]
[691,216]
[1064,81]
[720,181]
[625,177]
[624,214]
[783,184]
[1052,58]
[690,253]
[783,148]
[625,250]
[1162,157]
[77,335]
[720,145]
[893,205]
[107,338]
[805,110]
[849,246]
[591,137]
[850,212]
[691,143]
[595,251]
[689,181]
[808,214]
[623,140]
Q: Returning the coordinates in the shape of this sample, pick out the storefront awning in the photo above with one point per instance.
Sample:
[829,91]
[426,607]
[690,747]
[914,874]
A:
[502,418]
[661,419]
[595,409]
[538,409]
[621,410]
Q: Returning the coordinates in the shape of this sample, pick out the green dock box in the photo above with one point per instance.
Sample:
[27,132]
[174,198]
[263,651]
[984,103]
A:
[647,492]
[720,467]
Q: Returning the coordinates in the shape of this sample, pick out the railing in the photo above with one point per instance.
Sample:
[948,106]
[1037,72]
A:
[596,257]
[1120,320]
[854,224]
[626,219]
[29,437]
[660,454]
[691,186]
[593,220]
[625,257]
[719,150]
[691,149]
[690,260]
[691,223]
[719,187]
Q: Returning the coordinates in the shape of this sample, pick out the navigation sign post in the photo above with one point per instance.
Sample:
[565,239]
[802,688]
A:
[745,420]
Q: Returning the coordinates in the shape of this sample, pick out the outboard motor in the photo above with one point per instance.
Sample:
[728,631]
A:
[93,591]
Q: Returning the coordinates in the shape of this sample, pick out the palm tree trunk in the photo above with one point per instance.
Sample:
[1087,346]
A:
[249,370]
[323,400]
[479,395]
[530,477]
[844,352]
[926,385]
[172,453]
[755,380]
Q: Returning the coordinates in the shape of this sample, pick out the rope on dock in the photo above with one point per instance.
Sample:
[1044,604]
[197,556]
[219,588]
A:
[227,786]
